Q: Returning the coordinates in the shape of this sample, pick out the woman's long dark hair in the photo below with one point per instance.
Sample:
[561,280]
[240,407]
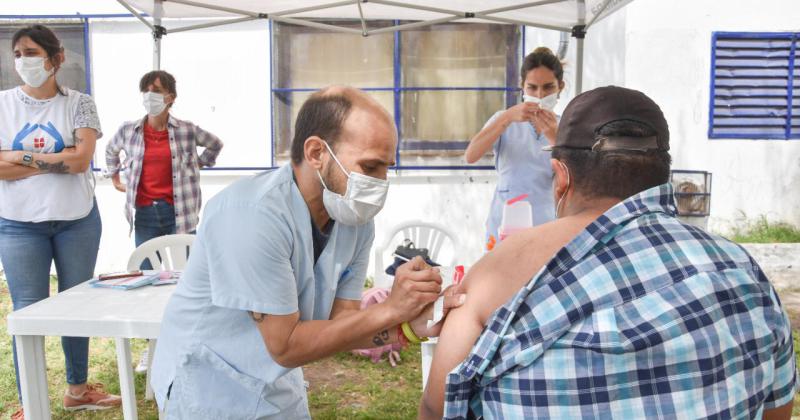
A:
[45,38]
[542,56]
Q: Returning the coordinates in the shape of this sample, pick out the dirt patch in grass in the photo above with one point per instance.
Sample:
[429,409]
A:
[328,373]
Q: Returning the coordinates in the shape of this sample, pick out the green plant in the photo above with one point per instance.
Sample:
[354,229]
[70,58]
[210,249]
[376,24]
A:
[764,231]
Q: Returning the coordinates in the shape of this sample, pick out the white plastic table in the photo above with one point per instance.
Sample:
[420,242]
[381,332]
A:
[85,311]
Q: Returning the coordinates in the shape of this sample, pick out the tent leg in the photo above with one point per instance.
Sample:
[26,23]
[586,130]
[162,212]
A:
[158,32]
[579,32]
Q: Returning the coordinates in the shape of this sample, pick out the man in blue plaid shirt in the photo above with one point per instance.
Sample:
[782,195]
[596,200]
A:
[616,309]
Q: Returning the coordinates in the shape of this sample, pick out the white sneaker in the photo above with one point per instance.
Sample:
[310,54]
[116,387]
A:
[143,362]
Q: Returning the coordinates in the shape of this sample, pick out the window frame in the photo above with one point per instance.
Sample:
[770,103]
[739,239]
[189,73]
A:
[397,90]
[788,134]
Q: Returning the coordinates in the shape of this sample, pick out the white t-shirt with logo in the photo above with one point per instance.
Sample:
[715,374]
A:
[45,126]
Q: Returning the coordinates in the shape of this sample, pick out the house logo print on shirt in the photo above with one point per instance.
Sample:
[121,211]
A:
[38,137]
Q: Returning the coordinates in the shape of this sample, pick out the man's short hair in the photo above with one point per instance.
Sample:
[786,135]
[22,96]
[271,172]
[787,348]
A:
[617,173]
[324,114]
[167,81]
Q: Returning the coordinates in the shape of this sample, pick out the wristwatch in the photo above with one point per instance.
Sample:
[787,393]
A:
[27,159]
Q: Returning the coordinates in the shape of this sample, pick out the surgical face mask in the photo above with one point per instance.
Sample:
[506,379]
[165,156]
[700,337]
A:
[548,102]
[561,199]
[32,71]
[153,103]
[362,200]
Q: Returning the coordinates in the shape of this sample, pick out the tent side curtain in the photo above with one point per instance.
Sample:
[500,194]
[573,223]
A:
[755,89]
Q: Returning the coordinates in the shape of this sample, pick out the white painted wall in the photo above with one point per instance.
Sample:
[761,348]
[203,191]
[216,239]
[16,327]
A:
[223,85]
[661,48]
[668,56]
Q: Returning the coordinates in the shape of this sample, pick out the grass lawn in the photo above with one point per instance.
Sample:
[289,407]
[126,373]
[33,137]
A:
[344,386]
[341,387]
[764,232]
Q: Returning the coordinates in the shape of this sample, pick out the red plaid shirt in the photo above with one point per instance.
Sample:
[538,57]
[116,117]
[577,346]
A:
[184,139]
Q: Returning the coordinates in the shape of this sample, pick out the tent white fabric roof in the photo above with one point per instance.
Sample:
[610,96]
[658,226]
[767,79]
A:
[568,16]
[560,15]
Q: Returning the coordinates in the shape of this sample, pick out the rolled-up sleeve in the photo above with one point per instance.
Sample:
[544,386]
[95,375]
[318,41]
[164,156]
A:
[113,148]
[211,143]
[249,252]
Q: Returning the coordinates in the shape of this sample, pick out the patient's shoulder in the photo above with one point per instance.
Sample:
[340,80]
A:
[498,276]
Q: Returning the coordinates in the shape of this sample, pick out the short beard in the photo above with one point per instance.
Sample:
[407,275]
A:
[327,176]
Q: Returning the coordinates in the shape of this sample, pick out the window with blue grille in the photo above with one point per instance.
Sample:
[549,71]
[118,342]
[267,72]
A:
[441,83]
[755,86]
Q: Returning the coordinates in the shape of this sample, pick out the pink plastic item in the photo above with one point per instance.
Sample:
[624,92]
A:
[370,297]
[458,276]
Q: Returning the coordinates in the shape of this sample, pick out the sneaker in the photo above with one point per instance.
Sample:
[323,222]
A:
[92,399]
[18,415]
[143,361]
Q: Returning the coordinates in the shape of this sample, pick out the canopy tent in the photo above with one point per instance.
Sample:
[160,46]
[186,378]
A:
[573,17]
[568,16]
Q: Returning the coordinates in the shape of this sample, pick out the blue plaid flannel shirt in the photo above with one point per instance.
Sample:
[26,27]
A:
[639,316]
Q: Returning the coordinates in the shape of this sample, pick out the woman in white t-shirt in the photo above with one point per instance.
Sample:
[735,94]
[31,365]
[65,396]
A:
[47,208]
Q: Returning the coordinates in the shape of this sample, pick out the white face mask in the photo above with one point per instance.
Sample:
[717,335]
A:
[153,103]
[548,102]
[32,71]
[362,200]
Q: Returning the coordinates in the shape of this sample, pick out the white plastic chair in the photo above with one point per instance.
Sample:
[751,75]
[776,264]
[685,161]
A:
[168,252]
[439,240]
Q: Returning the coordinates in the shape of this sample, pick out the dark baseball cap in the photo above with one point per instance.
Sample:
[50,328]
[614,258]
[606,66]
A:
[588,112]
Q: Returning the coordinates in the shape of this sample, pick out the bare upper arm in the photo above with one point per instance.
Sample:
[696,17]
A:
[342,307]
[461,328]
[489,284]
[276,331]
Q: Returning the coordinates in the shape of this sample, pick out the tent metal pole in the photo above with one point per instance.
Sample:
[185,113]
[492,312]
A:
[519,6]
[314,8]
[599,12]
[414,25]
[579,33]
[158,32]
[361,16]
[418,7]
[217,8]
[579,66]
[135,13]
[313,24]
[519,22]
[212,24]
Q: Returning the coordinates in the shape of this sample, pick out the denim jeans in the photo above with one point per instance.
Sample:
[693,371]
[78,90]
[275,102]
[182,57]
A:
[27,250]
[157,219]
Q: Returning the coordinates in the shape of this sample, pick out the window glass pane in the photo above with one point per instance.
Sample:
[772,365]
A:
[313,58]
[72,73]
[286,105]
[460,54]
[437,125]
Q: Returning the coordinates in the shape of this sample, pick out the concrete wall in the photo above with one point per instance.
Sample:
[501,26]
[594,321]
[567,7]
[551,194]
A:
[668,56]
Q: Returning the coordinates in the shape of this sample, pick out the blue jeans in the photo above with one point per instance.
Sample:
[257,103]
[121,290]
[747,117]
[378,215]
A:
[27,250]
[157,219]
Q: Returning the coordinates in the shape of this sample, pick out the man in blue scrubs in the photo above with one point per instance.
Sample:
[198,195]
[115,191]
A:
[275,275]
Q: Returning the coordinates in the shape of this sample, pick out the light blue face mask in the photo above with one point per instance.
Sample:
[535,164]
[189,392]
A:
[362,200]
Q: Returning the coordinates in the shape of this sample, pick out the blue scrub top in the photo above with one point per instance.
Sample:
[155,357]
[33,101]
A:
[522,168]
[253,252]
